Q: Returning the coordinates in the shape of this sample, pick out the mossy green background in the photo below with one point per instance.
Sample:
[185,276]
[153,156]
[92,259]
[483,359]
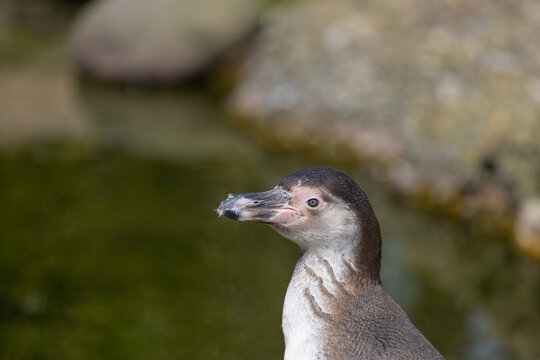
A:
[108,255]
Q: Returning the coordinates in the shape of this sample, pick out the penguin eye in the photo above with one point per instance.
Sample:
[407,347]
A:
[313,202]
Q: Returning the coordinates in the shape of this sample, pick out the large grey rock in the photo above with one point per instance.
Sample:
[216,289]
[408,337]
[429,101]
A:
[446,94]
[158,40]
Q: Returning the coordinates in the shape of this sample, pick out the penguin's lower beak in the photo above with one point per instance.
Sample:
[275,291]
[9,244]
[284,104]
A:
[269,207]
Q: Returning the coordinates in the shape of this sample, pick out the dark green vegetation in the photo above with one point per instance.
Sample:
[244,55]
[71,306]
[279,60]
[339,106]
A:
[109,256]
[106,255]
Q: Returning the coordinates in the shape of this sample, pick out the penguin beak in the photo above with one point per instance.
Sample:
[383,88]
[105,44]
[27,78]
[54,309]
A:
[270,207]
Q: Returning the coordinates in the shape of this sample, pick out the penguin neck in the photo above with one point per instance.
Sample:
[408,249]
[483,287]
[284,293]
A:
[338,259]
[368,249]
[356,259]
[326,264]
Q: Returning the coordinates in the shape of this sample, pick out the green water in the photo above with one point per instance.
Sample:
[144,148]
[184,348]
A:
[110,248]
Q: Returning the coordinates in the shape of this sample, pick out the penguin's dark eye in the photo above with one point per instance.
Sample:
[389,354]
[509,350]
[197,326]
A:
[313,202]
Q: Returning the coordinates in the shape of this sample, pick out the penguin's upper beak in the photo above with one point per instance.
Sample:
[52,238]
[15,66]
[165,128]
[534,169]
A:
[270,207]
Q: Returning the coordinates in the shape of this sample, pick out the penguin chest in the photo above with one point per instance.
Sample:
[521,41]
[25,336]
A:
[303,331]
[308,306]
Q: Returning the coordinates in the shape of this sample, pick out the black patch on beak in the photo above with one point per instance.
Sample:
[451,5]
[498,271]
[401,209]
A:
[231,214]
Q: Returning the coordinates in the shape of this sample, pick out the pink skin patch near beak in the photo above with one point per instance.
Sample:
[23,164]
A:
[285,215]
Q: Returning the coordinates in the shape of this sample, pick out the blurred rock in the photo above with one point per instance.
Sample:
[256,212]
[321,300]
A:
[38,104]
[450,88]
[528,227]
[158,41]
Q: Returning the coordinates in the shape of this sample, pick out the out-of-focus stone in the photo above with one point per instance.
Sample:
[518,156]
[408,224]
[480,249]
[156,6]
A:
[158,41]
[449,86]
[39,104]
[405,179]
[528,227]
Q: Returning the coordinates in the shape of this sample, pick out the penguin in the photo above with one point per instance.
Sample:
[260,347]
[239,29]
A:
[335,307]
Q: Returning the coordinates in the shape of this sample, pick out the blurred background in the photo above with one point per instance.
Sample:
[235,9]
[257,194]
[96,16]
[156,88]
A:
[124,123]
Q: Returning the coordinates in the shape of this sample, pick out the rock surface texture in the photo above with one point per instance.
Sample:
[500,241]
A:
[158,41]
[444,95]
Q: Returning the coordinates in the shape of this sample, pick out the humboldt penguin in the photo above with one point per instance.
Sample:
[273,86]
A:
[335,307]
